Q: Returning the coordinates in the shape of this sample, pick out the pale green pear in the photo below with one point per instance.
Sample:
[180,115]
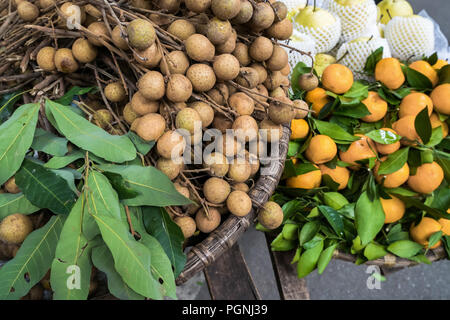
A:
[315,17]
[393,8]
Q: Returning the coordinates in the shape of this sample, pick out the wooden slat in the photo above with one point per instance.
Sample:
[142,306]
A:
[289,285]
[229,278]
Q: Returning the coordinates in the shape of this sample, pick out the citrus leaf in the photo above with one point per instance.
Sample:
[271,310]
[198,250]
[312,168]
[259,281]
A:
[17,135]
[334,131]
[334,219]
[374,251]
[89,137]
[372,60]
[282,244]
[434,238]
[358,91]
[44,188]
[49,143]
[436,213]
[61,162]
[394,162]
[404,248]
[15,203]
[325,258]
[159,224]
[309,230]
[423,126]
[308,260]
[32,261]
[369,218]
[354,111]
[383,136]
[445,165]
[154,187]
[72,255]
[417,80]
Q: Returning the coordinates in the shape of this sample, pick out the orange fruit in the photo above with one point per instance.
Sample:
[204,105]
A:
[392,180]
[427,70]
[376,106]
[441,98]
[361,149]
[389,72]
[337,78]
[413,103]
[321,149]
[436,122]
[445,223]
[424,230]
[299,128]
[394,209]
[428,178]
[439,64]
[387,148]
[339,175]
[309,180]
[318,99]
[405,128]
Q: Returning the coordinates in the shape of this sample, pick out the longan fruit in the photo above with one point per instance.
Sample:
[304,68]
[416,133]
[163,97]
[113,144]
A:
[270,131]
[229,45]
[242,54]
[149,57]
[46,59]
[221,122]
[228,145]
[286,70]
[141,34]
[218,31]
[179,88]
[27,11]
[142,106]
[274,80]
[128,114]
[44,4]
[261,49]
[308,81]
[242,103]
[202,77]
[262,71]
[169,167]
[92,11]
[281,30]
[103,118]
[248,77]
[99,30]
[225,9]
[245,128]
[152,86]
[69,9]
[170,145]
[219,94]
[150,127]
[15,228]
[117,39]
[281,10]
[278,92]
[187,226]
[254,162]
[64,61]
[240,170]
[207,224]
[205,111]
[11,186]
[226,67]
[216,190]
[199,48]
[263,16]
[271,215]
[217,164]
[115,92]
[278,60]
[187,119]
[84,51]
[282,111]
[245,13]
[239,203]
[261,89]
[177,61]
[197,6]
[301,109]
[241,186]
[184,191]
[182,29]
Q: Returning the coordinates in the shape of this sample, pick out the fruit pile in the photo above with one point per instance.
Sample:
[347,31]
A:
[106,110]
[368,171]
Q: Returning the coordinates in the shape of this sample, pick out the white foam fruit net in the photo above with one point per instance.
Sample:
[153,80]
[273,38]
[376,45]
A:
[354,54]
[410,38]
[355,19]
[304,43]
[325,37]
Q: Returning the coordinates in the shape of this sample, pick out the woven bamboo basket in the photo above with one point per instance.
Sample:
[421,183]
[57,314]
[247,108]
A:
[224,237]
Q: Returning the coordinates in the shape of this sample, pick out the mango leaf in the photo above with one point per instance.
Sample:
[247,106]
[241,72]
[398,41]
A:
[405,248]
[89,137]
[61,162]
[308,260]
[417,80]
[15,203]
[334,131]
[132,259]
[334,219]
[32,261]
[369,218]
[159,224]
[383,136]
[325,258]
[17,135]
[154,188]
[44,188]
[103,261]
[49,143]
[72,256]
[422,125]
[394,162]
[74,91]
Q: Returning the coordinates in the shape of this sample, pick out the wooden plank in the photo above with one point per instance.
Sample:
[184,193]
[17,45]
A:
[289,285]
[229,278]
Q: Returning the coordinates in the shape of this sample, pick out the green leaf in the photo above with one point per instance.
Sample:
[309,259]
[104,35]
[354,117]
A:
[308,231]
[11,203]
[334,219]
[103,261]
[32,261]
[44,188]
[441,198]
[121,186]
[445,165]
[61,162]
[436,137]
[405,248]
[369,218]
[72,256]
[434,238]
[420,258]
[89,137]
[383,136]
[411,201]
[335,200]
[141,145]
[293,170]
[353,111]
[394,162]
[358,91]
[7,102]
[422,125]
[374,251]
[325,258]
[298,70]
[372,61]
[17,135]
[432,59]
[154,187]
[290,231]
[48,143]
[74,91]
[417,80]
[308,260]
[282,244]
[334,131]
[159,224]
